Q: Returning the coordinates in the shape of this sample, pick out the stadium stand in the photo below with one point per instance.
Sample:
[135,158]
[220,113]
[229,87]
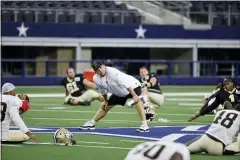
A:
[92,12]
[123,12]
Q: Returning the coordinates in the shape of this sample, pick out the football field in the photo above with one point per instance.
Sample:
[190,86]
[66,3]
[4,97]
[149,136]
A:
[115,135]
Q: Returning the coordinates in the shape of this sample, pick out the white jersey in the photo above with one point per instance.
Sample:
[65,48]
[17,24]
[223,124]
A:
[10,112]
[226,126]
[115,82]
[158,150]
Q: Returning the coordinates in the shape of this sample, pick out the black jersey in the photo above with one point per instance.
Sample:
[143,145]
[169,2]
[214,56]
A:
[74,86]
[219,97]
[155,88]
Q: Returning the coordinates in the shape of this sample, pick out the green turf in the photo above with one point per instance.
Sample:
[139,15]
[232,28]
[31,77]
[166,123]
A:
[43,112]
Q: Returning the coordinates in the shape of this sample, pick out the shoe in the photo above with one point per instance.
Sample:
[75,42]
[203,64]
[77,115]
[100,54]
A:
[143,128]
[87,126]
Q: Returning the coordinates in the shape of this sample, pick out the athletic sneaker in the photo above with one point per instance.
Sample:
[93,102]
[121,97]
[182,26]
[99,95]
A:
[143,128]
[87,126]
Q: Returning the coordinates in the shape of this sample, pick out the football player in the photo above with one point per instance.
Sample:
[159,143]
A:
[159,150]
[218,139]
[79,91]
[10,108]
[228,94]
[152,93]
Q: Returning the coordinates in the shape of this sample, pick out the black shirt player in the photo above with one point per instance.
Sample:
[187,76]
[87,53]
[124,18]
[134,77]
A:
[77,91]
[227,94]
[150,82]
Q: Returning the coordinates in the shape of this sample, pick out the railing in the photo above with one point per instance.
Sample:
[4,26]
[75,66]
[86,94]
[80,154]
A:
[77,18]
[169,68]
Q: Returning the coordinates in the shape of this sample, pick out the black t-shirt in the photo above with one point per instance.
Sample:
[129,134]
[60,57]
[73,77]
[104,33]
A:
[154,88]
[219,97]
[74,86]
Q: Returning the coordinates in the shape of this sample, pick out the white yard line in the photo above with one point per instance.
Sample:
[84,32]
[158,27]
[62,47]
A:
[11,145]
[87,146]
[170,94]
[120,121]
[131,113]
[184,99]
[132,141]
[92,142]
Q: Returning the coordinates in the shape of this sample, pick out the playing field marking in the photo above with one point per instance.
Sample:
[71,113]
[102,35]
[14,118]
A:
[87,146]
[131,113]
[184,99]
[190,104]
[119,121]
[172,94]
[92,142]
[172,137]
[132,141]
[11,145]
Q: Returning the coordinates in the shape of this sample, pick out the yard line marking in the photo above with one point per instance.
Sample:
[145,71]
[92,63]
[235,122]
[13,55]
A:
[11,145]
[120,121]
[190,104]
[192,128]
[132,141]
[104,147]
[172,137]
[131,113]
[183,99]
[173,94]
[92,142]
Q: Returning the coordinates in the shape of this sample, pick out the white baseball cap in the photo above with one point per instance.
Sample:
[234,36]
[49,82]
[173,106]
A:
[7,87]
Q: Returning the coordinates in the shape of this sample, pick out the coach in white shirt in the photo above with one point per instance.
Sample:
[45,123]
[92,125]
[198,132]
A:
[122,87]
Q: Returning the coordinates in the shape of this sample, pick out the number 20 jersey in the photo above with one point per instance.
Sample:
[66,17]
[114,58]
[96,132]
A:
[158,150]
[226,126]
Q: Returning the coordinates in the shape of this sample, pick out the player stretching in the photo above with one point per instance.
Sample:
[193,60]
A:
[77,92]
[218,139]
[122,87]
[228,94]
[10,108]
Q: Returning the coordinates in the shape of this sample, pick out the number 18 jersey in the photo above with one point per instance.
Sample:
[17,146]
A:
[226,126]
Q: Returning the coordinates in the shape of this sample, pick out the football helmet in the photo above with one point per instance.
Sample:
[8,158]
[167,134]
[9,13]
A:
[63,137]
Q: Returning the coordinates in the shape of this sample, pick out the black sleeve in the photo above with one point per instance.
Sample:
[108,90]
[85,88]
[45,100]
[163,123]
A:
[82,77]
[63,82]
[211,104]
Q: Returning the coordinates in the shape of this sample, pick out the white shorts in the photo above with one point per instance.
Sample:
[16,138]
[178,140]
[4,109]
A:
[156,98]
[206,144]
[89,96]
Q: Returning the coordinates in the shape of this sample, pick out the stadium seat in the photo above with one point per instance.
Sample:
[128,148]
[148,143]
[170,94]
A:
[7,16]
[40,16]
[117,18]
[86,17]
[62,17]
[29,16]
[108,17]
[96,18]
[128,19]
[50,16]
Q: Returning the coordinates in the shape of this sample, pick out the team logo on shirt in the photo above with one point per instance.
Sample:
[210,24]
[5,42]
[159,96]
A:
[77,79]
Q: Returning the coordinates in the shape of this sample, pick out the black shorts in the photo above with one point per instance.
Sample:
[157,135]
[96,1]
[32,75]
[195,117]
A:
[115,100]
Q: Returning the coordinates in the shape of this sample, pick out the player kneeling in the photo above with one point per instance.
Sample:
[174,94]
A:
[63,137]
[11,107]
[159,150]
[79,91]
[218,139]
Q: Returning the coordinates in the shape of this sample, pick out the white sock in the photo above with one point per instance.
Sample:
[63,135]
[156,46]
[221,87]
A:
[92,121]
[144,122]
